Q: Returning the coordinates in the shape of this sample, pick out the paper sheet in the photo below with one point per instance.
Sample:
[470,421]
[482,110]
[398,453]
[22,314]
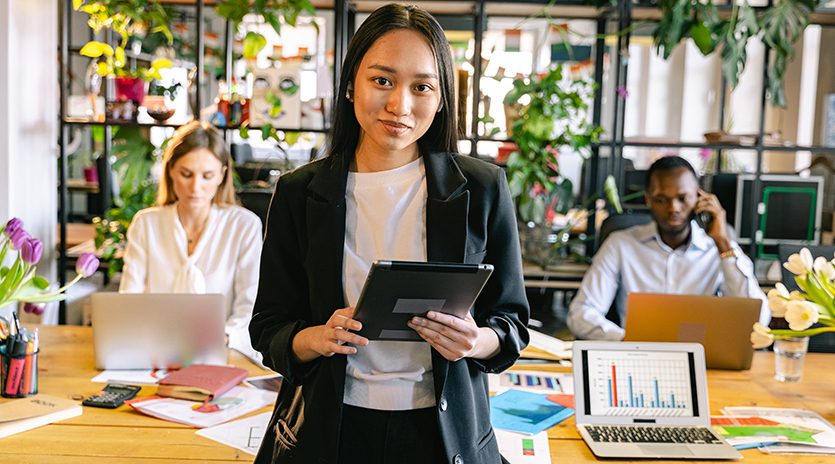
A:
[245,434]
[137,377]
[524,449]
[535,381]
[236,402]
[819,436]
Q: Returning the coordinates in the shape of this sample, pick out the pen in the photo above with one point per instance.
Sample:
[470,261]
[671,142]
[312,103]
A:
[16,362]
[26,385]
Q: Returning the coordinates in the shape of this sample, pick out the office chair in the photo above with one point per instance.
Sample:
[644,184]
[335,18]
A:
[257,201]
[821,343]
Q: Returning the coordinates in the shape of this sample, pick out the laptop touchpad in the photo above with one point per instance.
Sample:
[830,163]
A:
[688,332]
[665,450]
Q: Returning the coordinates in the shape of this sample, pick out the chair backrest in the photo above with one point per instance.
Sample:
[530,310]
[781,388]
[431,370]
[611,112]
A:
[257,201]
[617,222]
[821,343]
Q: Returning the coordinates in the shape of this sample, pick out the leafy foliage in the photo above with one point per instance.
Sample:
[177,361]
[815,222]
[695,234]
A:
[274,13]
[779,27]
[135,159]
[126,18]
[554,117]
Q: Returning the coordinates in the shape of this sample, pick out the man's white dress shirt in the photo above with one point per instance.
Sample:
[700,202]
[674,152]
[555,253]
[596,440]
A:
[637,260]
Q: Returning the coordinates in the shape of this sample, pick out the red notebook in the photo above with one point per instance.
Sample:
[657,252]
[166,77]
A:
[200,382]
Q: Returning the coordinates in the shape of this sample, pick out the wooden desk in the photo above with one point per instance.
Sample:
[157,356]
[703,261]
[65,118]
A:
[126,436]
[103,435]
[756,387]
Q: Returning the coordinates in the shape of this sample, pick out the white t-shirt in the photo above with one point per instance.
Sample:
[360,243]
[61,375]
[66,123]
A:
[386,220]
[226,260]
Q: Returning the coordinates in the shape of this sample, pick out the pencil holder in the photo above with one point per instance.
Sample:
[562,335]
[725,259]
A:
[18,373]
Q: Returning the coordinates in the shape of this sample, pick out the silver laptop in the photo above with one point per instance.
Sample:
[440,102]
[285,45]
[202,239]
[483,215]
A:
[645,400]
[722,324]
[158,330]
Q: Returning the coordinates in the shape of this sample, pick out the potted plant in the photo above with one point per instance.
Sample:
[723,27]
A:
[552,115]
[274,12]
[127,18]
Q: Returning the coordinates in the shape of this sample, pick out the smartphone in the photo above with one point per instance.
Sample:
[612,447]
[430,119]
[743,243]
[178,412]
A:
[703,219]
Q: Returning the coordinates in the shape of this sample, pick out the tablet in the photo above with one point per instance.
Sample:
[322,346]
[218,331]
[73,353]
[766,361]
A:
[394,291]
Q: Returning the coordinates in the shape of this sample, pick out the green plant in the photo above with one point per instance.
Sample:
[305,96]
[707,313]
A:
[126,18]
[555,116]
[779,26]
[135,159]
[274,13]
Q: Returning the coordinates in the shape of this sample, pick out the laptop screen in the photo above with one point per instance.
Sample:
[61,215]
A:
[640,383]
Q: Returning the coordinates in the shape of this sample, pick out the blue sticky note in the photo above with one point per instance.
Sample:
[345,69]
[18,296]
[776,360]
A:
[526,412]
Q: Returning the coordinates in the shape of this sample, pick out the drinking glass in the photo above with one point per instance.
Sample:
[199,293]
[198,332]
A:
[789,354]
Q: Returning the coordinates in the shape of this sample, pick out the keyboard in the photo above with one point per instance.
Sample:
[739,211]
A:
[655,434]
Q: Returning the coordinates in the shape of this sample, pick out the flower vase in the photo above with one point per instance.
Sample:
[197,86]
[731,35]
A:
[542,245]
[789,354]
[130,88]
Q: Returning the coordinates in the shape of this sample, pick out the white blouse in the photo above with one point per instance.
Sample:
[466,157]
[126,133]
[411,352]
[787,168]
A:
[225,260]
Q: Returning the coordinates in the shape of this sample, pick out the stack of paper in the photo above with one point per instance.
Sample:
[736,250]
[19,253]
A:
[546,347]
[35,411]
[776,430]
[234,403]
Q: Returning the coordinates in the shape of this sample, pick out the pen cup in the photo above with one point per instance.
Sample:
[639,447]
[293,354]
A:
[18,374]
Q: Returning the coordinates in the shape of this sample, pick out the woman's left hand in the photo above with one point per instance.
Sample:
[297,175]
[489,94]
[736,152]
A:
[452,337]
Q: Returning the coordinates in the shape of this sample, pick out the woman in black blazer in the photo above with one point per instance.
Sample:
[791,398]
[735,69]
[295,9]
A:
[395,114]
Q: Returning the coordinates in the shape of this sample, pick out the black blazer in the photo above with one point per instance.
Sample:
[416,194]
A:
[469,218]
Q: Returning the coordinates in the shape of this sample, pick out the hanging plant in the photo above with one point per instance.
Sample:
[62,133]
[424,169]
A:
[274,13]
[779,27]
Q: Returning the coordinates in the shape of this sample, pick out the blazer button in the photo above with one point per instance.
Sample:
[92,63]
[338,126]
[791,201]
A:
[443,407]
[458,459]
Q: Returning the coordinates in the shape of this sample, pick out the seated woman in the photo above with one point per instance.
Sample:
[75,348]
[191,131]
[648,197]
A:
[197,240]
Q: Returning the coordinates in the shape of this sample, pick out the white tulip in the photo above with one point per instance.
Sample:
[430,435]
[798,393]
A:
[777,303]
[800,263]
[824,268]
[801,314]
[761,337]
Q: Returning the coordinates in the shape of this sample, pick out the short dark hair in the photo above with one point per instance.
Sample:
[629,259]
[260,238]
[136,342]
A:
[442,133]
[669,163]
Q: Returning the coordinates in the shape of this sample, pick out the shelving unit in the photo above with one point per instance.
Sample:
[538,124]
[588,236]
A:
[477,13]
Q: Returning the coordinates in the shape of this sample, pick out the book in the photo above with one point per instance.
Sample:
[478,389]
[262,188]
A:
[526,412]
[34,411]
[235,403]
[200,382]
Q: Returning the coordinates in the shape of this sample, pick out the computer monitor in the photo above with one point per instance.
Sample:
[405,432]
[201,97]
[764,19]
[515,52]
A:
[789,210]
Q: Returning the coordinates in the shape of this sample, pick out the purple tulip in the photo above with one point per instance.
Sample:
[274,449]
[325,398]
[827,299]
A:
[87,264]
[18,238]
[34,308]
[12,226]
[31,251]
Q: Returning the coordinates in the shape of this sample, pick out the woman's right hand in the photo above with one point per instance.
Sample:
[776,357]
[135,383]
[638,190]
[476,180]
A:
[330,338]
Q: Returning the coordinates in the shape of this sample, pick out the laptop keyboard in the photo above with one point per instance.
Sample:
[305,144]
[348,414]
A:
[637,434]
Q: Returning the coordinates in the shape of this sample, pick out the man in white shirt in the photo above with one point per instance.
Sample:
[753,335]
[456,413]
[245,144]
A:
[672,254]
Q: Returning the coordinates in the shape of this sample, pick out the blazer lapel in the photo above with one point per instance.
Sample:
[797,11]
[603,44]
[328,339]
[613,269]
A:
[325,213]
[447,205]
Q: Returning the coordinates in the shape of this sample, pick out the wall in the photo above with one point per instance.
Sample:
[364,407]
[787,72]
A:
[29,121]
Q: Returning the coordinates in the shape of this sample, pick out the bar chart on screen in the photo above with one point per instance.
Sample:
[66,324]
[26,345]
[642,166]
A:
[656,384]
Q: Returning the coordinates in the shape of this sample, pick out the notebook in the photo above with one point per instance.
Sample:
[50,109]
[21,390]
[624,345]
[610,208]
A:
[199,382]
[645,400]
[721,324]
[158,330]
[31,412]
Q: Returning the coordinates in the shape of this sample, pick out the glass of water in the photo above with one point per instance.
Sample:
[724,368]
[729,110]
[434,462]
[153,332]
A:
[789,354]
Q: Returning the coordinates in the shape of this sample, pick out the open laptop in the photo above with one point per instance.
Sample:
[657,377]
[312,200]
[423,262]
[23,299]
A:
[645,400]
[158,330]
[721,324]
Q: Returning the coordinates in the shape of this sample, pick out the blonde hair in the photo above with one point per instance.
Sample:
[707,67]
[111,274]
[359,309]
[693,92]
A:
[193,136]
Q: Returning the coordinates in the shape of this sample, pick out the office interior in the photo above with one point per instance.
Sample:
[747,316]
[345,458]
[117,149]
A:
[75,164]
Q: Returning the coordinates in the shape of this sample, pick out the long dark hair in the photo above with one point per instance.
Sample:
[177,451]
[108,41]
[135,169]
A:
[442,134]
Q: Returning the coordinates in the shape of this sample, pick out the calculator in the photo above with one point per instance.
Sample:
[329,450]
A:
[112,396]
